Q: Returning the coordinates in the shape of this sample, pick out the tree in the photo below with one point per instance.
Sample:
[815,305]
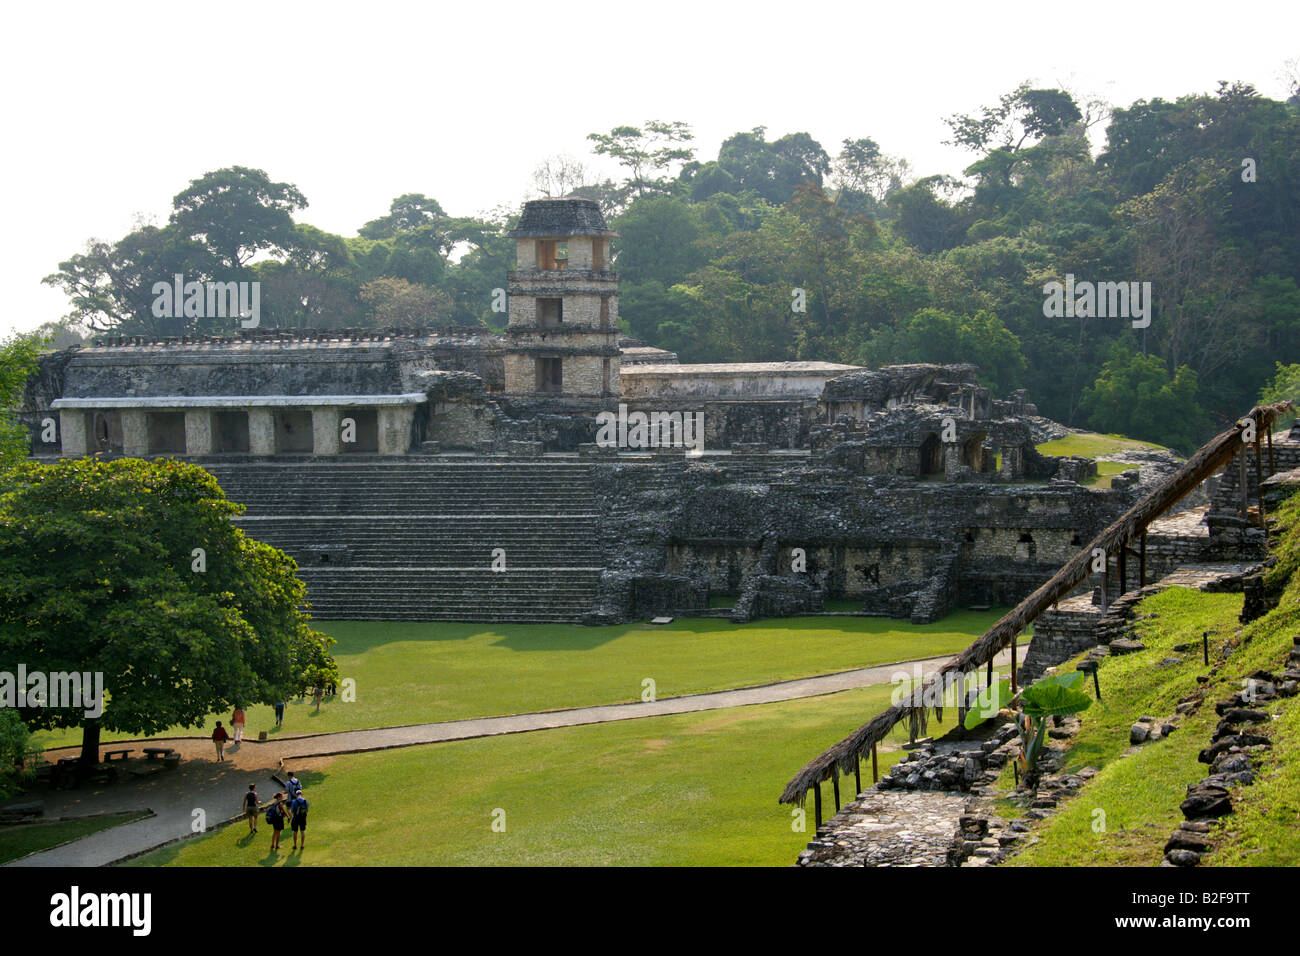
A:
[111,284]
[558,176]
[773,170]
[18,358]
[398,303]
[1134,395]
[236,212]
[647,152]
[1021,116]
[99,573]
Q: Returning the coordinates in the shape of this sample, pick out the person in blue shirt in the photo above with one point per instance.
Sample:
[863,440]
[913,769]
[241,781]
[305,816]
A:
[298,824]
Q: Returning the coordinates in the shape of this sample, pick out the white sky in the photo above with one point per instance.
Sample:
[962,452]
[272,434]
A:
[110,109]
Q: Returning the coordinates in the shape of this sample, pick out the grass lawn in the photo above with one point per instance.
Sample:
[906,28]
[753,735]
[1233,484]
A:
[691,789]
[20,840]
[409,673]
[1139,793]
[1091,444]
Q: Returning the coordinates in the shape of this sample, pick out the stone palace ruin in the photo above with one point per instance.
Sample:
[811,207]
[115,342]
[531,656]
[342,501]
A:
[455,473]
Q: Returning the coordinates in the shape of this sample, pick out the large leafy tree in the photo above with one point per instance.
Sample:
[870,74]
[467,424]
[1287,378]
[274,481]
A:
[1135,395]
[98,573]
[237,212]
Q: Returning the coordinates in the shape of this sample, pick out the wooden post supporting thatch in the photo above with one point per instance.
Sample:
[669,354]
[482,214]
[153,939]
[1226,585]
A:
[1206,461]
[1013,663]
[817,805]
[1142,562]
[835,781]
[1241,480]
[1259,483]
[1123,567]
[990,680]
[857,776]
[875,769]
[1272,468]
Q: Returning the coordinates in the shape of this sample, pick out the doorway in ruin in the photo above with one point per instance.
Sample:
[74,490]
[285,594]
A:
[973,454]
[230,433]
[106,433]
[931,455]
[364,431]
[166,431]
[293,435]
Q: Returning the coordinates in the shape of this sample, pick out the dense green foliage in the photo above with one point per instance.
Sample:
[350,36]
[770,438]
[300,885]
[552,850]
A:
[18,357]
[101,571]
[1199,197]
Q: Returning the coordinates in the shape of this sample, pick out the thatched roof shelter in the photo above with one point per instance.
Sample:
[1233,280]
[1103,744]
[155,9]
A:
[843,757]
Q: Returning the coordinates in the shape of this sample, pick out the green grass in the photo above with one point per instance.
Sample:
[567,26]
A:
[1091,444]
[693,789]
[408,673]
[1105,471]
[20,840]
[1138,795]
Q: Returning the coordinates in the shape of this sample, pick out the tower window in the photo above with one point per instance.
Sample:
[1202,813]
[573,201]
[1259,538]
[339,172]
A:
[550,375]
[552,254]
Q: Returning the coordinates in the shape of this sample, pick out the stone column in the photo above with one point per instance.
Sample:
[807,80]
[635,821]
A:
[72,432]
[951,459]
[261,431]
[198,431]
[395,429]
[325,430]
[135,433]
[1012,462]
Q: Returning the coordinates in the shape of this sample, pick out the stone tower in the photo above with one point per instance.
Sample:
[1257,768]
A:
[563,326]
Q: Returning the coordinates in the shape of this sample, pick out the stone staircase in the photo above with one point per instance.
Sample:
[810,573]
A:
[413,538]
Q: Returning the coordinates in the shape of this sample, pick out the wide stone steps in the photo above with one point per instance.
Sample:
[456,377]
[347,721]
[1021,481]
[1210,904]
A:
[418,535]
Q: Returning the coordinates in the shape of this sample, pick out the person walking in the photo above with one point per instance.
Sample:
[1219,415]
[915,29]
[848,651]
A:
[298,824]
[279,713]
[219,737]
[275,816]
[251,806]
[237,722]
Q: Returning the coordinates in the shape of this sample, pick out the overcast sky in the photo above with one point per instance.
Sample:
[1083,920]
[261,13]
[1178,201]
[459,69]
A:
[110,109]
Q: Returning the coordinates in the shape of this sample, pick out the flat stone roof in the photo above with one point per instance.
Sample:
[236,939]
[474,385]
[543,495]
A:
[741,368]
[238,401]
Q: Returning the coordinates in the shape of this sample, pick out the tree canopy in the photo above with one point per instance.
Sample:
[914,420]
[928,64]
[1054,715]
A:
[132,569]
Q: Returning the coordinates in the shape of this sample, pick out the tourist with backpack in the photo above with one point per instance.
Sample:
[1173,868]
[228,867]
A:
[275,817]
[298,810]
[251,806]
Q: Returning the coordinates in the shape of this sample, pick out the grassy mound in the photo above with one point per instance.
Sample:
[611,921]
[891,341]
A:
[1126,813]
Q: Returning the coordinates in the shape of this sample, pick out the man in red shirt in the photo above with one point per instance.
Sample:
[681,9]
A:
[219,737]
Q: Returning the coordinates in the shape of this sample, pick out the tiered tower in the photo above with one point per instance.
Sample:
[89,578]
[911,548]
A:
[563,324]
